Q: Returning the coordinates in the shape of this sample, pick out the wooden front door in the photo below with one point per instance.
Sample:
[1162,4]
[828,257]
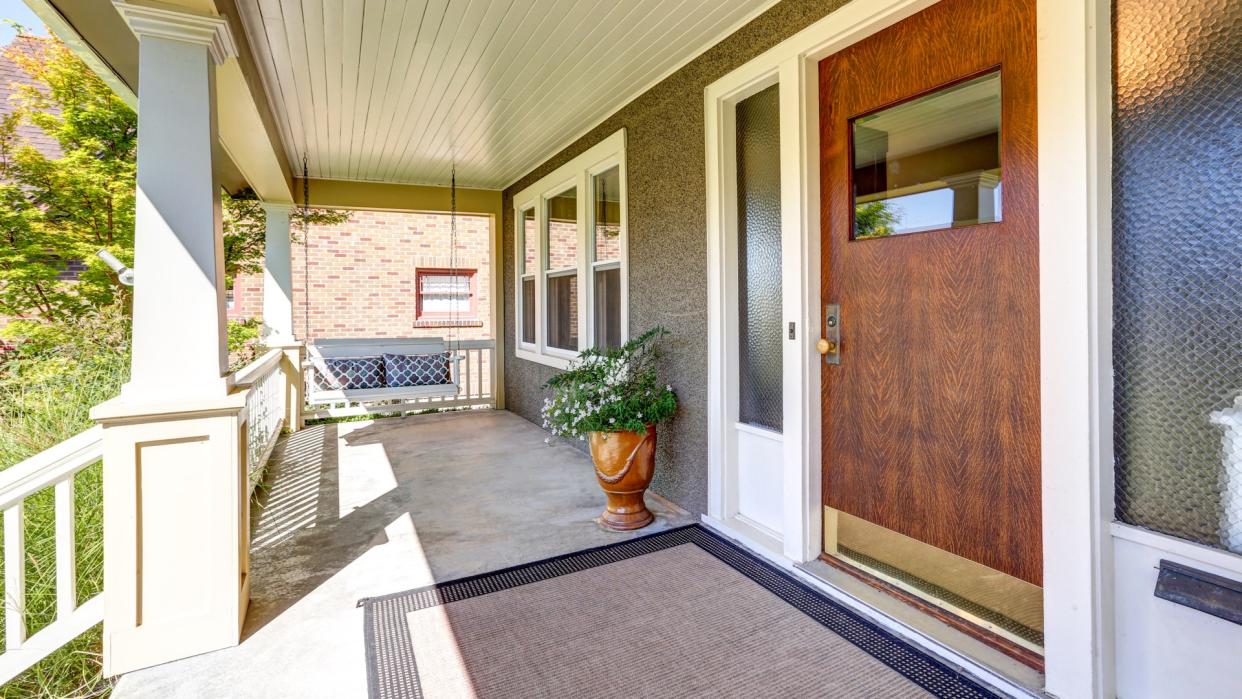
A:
[931,251]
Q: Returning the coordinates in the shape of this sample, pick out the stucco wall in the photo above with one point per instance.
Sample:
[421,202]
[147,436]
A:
[667,239]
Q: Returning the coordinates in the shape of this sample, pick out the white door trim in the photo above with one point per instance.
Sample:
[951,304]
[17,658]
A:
[1073,70]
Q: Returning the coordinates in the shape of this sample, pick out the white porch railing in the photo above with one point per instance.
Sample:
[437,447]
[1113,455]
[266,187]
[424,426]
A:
[475,387]
[52,468]
[265,409]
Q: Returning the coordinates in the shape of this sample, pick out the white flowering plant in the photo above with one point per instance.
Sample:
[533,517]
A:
[615,390]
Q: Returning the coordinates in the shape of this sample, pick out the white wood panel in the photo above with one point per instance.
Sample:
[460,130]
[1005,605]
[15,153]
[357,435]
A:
[396,90]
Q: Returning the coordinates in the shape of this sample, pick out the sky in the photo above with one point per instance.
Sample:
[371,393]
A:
[16,10]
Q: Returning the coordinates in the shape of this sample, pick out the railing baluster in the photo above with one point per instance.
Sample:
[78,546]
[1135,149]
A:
[15,576]
[66,551]
[468,372]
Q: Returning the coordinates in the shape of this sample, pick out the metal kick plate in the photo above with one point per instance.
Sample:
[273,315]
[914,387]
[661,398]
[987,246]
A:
[832,333]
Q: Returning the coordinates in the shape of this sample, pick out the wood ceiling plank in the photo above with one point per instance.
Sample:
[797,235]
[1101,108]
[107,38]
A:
[414,16]
[258,34]
[527,138]
[397,90]
[530,72]
[420,67]
[351,33]
[372,23]
[333,15]
[488,101]
[480,28]
[642,68]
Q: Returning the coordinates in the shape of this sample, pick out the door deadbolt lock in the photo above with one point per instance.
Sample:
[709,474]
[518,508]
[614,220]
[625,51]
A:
[830,344]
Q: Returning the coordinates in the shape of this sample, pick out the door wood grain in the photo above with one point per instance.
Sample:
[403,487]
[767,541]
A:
[931,420]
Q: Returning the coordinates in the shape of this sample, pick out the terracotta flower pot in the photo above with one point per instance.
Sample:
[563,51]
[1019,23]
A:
[624,465]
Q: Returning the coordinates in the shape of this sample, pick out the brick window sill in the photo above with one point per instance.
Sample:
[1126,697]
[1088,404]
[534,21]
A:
[448,323]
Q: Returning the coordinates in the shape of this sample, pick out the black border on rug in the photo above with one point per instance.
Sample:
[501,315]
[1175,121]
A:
[393,674]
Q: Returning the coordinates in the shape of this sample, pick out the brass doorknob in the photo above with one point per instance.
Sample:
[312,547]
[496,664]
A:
[825,346]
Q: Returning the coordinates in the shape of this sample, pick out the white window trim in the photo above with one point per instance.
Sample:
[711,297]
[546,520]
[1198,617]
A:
[577,173]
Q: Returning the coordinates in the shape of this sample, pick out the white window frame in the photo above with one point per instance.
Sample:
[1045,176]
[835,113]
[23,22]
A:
[579,174]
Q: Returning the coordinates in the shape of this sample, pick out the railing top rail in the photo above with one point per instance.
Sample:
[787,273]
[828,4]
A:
[259,368]
[50,465]
[471,344]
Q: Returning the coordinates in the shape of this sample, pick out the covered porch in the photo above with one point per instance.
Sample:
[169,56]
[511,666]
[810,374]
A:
[361,509]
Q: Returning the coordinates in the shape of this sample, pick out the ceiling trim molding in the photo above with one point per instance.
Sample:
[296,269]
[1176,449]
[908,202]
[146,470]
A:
[178,25]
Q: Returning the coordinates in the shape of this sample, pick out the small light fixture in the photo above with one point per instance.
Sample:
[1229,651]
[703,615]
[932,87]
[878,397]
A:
[123,273]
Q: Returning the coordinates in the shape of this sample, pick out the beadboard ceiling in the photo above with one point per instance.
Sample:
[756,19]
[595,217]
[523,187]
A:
[395,90]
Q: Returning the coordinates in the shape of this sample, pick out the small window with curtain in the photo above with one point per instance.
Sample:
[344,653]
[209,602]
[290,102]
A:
[446,295]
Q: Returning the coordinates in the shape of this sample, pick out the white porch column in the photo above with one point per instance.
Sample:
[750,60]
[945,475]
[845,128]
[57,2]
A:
[277,277]
[179,339]
[176,496]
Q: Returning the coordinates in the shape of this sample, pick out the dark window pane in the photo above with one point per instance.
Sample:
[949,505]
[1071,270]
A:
[562,247]
[607,308]
[563,312]
[529,238]
[607,213]
[527,303]
[932,162]
[760,391]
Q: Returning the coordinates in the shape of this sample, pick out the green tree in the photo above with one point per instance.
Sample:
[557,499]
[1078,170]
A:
[54,211]
[57,210]
[245,231]
[874,220]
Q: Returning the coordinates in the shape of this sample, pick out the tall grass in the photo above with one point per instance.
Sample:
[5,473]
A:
[47,389]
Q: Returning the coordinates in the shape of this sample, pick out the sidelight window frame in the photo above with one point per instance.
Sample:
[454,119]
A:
[577,174]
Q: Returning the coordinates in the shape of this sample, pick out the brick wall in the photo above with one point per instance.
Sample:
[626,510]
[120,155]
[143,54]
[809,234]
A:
[362,276]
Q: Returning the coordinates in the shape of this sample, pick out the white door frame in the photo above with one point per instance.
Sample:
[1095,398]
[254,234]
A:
[1073,72]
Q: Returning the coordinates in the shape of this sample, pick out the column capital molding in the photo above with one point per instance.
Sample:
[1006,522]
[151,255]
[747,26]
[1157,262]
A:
[275,207]
[165,22]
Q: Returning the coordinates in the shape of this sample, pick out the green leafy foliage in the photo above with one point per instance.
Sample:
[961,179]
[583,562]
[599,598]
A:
[874,220]
[616,390]
[245,230]
[53,211]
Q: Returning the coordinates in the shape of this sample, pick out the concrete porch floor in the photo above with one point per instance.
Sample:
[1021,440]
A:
[360,509]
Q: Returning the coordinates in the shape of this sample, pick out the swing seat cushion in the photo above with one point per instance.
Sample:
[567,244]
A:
[417,369]
[348,373]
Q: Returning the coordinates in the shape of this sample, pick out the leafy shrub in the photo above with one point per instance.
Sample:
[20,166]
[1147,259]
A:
[615,390]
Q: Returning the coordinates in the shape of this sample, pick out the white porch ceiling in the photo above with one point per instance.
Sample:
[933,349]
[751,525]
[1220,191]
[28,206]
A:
[395,90]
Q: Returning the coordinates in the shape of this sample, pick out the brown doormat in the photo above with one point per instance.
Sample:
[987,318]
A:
[683,613]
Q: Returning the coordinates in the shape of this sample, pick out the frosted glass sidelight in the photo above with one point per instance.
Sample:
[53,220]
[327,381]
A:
[760,393]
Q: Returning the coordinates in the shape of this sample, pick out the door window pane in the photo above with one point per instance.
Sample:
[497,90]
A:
[760,390]
[930,163]
[563,311]
[607,214]
[608,308]
[562,231]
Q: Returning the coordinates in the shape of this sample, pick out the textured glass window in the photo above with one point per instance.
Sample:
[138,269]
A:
[1177,268]
[445,293]
[760,392]
[526,268]
[930,163]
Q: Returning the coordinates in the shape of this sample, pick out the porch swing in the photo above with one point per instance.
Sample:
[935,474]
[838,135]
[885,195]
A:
[375,371]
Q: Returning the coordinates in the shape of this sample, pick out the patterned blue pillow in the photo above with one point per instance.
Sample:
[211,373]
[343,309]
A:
[337,373]
[417,369]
